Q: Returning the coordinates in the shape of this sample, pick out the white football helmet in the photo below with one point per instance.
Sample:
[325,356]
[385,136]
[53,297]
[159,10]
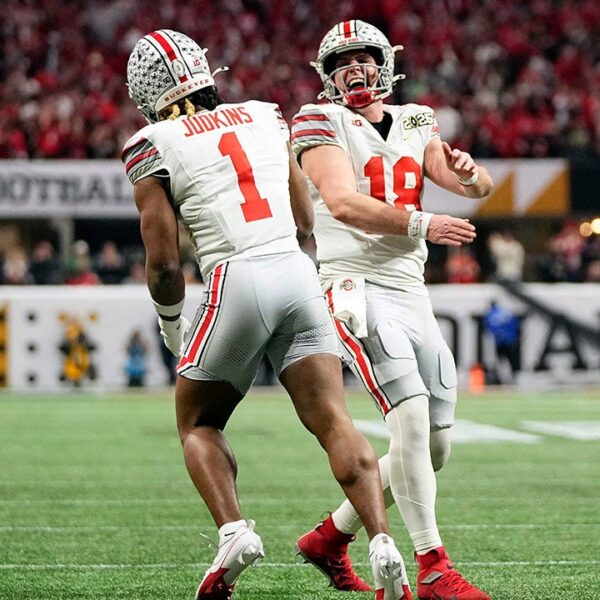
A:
[166,66]
[351,36]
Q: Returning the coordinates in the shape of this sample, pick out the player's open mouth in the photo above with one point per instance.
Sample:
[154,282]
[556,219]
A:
[356,83]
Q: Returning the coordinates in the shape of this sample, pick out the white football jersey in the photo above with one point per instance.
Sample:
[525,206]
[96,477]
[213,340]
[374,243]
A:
[228,173]
[390,170]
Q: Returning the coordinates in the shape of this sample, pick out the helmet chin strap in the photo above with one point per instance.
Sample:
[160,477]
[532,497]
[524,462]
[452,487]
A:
[360,99]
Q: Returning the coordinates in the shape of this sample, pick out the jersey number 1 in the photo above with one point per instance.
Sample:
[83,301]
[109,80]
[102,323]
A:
[407,180]
[254,207]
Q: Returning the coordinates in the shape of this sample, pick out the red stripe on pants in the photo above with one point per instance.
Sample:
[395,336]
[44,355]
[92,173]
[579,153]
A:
[208,318]
[361,361]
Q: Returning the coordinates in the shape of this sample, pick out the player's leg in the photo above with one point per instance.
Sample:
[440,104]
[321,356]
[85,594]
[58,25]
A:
[412,478]
[386,363]
[440,446]
[437,579]
[304,353]
[219,363]
[345,518]
[315,385]
[202,410]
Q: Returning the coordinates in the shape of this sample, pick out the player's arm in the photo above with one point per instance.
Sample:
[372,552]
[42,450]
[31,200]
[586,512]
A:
[302,206]
[455,171]
[159,231]
[330,169]
[160,236]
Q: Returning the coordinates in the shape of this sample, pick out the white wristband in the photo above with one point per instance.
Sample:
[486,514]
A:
[168,310]
[418,224]
[467,182]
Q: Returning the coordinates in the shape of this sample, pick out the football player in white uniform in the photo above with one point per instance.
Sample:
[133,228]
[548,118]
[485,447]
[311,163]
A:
[368,161]
[228,173]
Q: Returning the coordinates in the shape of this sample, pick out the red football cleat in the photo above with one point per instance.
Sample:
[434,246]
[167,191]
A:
[437,579]
[327,549]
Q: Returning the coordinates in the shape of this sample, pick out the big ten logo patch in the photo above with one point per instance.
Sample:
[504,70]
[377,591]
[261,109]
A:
[77,349]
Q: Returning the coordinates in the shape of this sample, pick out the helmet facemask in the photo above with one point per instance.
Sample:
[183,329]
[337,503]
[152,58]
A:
[365,85]
[355,36]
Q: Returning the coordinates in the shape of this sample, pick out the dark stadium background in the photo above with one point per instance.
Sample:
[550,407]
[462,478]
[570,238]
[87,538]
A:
[508,80]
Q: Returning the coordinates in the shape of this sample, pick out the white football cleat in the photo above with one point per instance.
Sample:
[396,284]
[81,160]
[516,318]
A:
[389,572]
[241,549]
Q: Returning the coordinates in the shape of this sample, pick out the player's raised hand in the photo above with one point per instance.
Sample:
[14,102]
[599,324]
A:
[459,162]
[450,231]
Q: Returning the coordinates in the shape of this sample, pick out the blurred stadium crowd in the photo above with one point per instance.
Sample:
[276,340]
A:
[527,87]
[567,257]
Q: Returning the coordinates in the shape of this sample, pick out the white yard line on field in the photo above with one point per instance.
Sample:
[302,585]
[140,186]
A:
[586,431]
[274,565]
[12,484]
[463,432]
[290,526]
[493,499]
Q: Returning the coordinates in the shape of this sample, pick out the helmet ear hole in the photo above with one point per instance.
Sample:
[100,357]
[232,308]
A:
[376,53]
[329,64]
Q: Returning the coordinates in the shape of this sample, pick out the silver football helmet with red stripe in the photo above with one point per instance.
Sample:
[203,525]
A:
[353,36]
[166,66]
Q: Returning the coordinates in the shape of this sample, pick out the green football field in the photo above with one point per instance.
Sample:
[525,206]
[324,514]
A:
[95,501]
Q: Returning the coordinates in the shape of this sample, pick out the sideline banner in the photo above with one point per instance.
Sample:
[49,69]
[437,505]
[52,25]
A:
[37,321]
[65,188]
[522,188]
[100,189]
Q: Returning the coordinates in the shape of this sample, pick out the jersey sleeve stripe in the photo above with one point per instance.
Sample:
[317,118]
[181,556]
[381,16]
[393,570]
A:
[306,133]
[143,169]
[313,125]
[130,147]
[140,157]
[310,117]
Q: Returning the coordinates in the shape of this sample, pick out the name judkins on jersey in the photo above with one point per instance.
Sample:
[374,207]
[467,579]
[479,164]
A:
[226,117]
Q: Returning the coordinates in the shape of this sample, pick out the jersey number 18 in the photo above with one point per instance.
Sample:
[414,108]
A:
[407,179]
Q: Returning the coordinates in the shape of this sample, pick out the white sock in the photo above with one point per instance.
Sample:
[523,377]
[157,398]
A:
[412,478]
[346,519]
[227,529]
